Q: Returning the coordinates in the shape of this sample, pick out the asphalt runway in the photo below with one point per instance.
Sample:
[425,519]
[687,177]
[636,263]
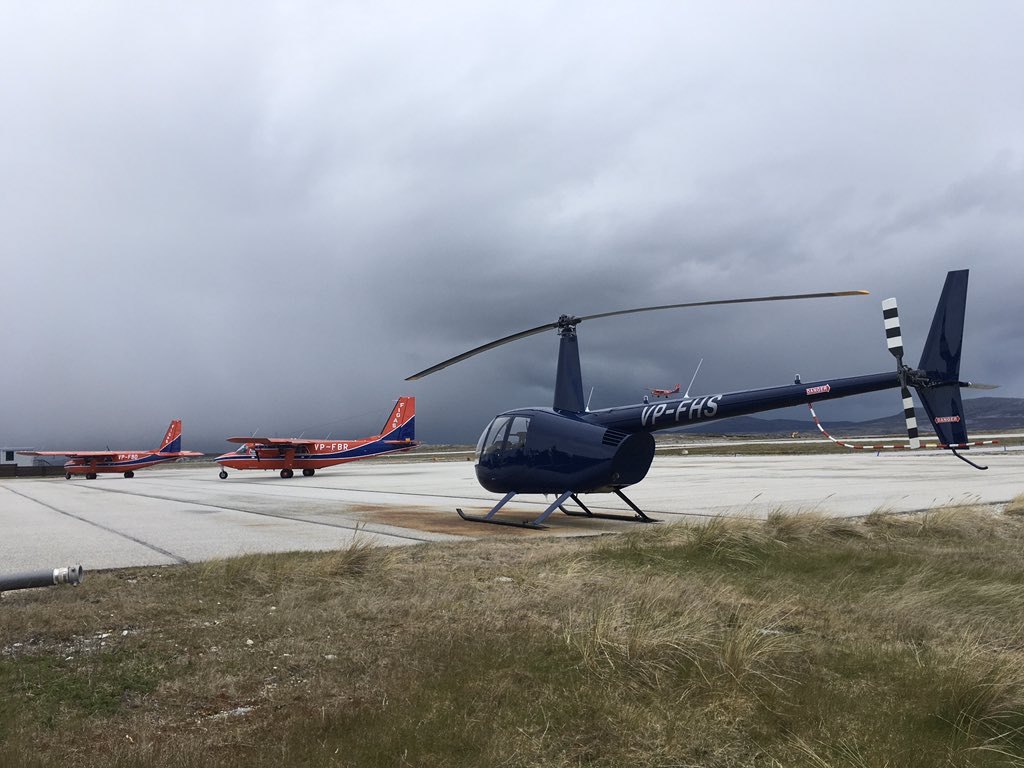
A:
[180,515]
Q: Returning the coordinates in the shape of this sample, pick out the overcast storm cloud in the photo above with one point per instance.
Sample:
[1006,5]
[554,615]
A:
[267,215]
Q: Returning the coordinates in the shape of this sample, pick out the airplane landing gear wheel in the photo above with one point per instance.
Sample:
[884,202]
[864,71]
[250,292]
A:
[308,472]
[129,473]
[286,473]
[223,475]
[90,476]
[67,475]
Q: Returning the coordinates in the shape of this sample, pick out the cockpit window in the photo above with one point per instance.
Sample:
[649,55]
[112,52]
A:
[495,439]
[517,433]
[483,436]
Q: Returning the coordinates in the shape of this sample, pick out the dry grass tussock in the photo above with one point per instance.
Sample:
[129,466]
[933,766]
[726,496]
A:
[797,640]
[838,755]
[959,521]
[984,691]
[1015,505]
[739,540]
[807,526]
[358,559]
[650,631]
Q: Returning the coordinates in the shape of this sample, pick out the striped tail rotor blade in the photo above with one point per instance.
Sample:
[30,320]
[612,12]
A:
[894,340]
[911,417]
[893,334]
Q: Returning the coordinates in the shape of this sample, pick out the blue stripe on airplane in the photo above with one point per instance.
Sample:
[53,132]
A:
[370,449]
[141,462]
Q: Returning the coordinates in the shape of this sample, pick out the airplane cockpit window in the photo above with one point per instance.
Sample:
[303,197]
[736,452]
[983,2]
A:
[495,439]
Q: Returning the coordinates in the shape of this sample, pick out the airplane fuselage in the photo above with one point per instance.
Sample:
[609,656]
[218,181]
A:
[118,462]
[313,454]
[287,454]
[93,463]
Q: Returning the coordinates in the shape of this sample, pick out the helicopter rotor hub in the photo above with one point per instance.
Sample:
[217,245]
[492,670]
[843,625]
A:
[567,325]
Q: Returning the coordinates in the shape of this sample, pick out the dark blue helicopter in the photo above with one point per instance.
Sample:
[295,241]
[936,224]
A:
[568,450]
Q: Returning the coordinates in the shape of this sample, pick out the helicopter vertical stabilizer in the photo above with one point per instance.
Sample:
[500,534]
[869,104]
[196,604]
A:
[940,358]
[945,409]
[940,363]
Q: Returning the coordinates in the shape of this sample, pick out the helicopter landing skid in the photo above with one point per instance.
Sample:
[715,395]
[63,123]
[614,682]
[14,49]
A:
[559,503]
[537,523]
[639,517]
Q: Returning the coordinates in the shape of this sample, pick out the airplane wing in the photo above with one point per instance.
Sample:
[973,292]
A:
[105,454]
[76,454]
[269,440]
[272,442]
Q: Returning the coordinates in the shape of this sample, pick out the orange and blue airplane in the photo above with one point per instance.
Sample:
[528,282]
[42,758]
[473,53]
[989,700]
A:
[92,463]
[310,454]
[663,392]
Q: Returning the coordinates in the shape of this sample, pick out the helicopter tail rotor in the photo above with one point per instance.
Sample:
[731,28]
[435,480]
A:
[937,376]
[894,339]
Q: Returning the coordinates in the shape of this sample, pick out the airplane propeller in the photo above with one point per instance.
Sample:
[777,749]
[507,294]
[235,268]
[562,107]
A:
[569,322]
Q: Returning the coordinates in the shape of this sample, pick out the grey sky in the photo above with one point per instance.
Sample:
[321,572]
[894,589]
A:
[266,215]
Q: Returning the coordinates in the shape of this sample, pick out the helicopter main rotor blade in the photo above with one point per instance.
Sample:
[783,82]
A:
[789,297]
[569,321]
[482,348]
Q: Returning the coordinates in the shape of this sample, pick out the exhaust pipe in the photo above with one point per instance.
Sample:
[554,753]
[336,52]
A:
[72,575]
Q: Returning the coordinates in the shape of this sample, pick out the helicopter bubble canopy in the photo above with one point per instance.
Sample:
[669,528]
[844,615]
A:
[545,452]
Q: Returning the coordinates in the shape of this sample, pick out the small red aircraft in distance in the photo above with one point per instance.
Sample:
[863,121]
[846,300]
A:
[664,392]
[92,463]
[310,454]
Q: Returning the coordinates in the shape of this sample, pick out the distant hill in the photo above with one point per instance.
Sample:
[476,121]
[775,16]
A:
[984,414]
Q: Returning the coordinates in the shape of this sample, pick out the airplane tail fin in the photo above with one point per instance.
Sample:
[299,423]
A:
[172,439]
[401,424]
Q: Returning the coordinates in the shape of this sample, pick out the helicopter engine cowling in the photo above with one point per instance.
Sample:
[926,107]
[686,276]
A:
[540,450]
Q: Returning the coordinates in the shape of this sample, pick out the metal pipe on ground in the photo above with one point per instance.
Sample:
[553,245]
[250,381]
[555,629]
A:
[73,575]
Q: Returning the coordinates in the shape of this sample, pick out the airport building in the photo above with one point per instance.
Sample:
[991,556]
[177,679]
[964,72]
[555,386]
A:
[10,456]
